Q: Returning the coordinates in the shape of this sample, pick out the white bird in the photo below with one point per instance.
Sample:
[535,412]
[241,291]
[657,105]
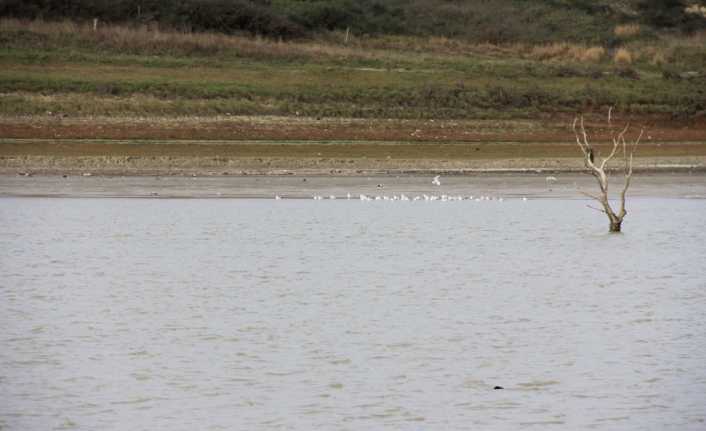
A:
[550,179]
[277,197]
[436,181]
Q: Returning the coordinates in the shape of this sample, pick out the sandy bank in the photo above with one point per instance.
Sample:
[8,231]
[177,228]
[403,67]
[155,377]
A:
[565,185]
[340,158]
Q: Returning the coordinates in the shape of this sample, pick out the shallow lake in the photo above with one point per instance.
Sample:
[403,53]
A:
[195,314]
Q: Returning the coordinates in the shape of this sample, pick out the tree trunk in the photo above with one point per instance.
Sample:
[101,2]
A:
[615,225]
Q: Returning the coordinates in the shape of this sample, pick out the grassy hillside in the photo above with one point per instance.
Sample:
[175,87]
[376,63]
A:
[497,21]
[70,69]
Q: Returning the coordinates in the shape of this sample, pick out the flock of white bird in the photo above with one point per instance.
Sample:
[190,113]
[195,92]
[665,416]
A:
[402,197]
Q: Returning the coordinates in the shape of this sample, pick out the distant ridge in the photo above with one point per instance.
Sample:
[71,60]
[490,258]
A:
[497,21]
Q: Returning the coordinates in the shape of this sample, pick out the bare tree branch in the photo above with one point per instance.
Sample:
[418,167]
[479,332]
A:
[590,195]
[594,208]
[616,144]
[584,147]
[628,171]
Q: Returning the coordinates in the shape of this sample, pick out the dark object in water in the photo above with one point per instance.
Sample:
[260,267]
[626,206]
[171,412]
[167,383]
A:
[498,387]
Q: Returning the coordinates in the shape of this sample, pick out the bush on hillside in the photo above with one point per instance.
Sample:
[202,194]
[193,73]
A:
[670,14]
[497,21]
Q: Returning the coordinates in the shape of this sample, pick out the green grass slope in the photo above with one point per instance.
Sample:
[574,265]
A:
[69,68]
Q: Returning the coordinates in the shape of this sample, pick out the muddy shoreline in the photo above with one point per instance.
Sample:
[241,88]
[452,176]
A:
[285,167]
[294,146]
[338,158]
[492,185]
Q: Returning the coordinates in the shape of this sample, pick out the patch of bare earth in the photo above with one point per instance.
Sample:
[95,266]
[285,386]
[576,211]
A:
[556,129]
[286,146]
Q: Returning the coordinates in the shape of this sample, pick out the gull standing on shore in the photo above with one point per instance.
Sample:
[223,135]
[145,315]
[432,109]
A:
[436,181]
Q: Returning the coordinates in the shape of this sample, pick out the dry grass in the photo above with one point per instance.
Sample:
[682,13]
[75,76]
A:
[696,9]
[155,40]
[441,45]
[671,49]
[623,56]
[695,40]
[627,30]
[658,59]
[657,56]
[567,51]
[593,54]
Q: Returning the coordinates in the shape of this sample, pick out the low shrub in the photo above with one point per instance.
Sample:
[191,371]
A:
[567,51]
[593,54]
[628,73]
[625,31]
[623,56]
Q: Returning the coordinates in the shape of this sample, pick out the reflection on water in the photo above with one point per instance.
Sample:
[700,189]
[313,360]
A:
[260,314]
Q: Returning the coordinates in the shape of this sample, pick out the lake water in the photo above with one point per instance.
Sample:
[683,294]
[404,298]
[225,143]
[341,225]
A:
[250,314]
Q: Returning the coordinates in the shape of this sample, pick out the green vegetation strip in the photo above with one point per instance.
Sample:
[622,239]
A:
[125,71]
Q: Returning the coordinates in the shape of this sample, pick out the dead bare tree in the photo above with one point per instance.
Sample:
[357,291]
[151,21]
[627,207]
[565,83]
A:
[598,167]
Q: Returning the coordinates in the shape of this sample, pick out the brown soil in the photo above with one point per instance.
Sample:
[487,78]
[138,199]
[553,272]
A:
[276,145]
[556,129]
[328,151]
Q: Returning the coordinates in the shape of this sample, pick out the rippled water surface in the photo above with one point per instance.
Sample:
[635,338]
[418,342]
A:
[247,314]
